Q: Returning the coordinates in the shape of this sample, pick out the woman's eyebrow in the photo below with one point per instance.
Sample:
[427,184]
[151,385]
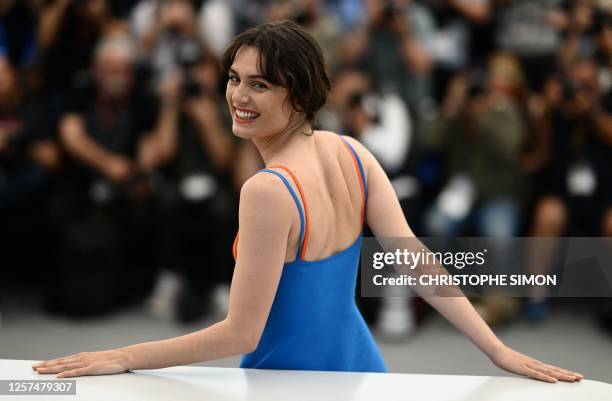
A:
[248,76]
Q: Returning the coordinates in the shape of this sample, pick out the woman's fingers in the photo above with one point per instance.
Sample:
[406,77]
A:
[536,374]
[557,375]
[59,361]
[577,375]
[55,361]
[521,364]
[557,372]
[60,368]
[554,372]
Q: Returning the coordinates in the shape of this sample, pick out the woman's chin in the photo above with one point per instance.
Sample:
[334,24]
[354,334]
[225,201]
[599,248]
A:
[242,133]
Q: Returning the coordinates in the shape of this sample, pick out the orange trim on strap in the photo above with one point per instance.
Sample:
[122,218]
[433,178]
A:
[299,187]
[235,246]
[360,180]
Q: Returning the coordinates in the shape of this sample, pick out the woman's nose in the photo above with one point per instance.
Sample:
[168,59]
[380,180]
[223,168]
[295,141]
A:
[240,96]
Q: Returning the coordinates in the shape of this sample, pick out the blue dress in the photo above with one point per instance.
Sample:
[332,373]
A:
[314,323]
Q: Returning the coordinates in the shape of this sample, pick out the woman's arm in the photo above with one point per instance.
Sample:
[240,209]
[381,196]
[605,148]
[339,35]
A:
[386,220]
[265,218]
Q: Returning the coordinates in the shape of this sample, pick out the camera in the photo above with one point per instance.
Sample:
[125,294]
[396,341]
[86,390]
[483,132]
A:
[477,83]
[367,102]
[188,55]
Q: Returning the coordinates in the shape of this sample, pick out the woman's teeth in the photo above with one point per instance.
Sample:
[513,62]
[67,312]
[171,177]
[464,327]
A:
[246,115]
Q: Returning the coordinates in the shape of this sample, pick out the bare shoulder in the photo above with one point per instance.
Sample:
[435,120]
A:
[364,154]
[264,195]
[333,137]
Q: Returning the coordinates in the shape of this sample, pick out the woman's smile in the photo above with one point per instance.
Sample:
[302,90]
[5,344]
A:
[244,116]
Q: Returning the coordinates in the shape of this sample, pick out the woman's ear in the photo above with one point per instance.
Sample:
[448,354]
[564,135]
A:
[298,108]
[295,108]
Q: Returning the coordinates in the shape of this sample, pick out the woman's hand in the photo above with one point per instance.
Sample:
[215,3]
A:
[85,364]
[515,362]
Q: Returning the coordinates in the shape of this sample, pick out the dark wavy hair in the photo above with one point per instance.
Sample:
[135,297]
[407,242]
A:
[289,57]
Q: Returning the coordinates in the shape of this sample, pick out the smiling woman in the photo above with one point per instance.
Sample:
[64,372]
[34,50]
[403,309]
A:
[294,85]
[281,55]
[292,297]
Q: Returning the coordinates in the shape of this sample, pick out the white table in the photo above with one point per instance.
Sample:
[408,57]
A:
[221,384]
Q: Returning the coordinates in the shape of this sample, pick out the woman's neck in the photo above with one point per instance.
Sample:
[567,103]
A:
[277,149]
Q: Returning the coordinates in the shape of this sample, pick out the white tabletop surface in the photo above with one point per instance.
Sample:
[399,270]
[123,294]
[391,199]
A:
[212,384]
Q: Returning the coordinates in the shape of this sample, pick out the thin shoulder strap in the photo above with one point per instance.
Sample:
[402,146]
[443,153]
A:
[303,215]
[361,174]
[304,244]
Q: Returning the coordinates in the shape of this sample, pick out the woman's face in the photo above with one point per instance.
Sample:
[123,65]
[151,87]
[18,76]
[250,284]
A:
[259,109]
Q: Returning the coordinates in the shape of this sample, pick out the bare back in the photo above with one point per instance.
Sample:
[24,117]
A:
[331,185]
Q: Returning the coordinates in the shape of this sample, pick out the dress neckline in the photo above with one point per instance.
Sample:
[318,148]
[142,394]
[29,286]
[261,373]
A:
[327,258]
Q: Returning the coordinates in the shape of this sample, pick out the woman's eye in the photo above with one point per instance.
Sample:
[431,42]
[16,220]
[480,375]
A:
[235,80]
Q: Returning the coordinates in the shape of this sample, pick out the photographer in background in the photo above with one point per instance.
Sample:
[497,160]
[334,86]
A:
[166,29]
[574,183]
[387,48]
[533,32]
[481,132]
[67,33]
[573,186]
[29,159]
[114,137]
[198,198]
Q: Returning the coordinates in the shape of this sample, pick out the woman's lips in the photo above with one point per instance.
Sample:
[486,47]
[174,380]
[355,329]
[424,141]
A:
[240,120]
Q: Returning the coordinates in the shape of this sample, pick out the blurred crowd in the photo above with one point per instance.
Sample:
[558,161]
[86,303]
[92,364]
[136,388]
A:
[119,174]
